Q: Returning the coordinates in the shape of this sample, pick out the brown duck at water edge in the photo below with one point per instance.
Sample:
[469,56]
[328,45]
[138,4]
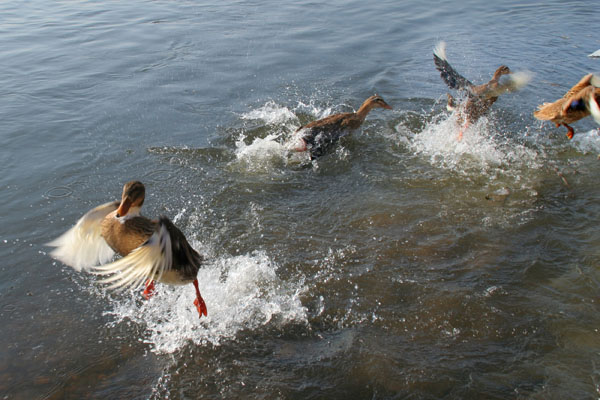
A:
[579,102]
[479,98]
[152,250]
[318,137]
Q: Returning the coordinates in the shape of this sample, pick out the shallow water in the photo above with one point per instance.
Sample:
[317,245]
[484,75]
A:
[405,264]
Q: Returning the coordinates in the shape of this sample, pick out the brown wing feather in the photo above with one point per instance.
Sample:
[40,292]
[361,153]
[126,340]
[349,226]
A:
[453,79]
[582,84]
[329,122]
[556,111]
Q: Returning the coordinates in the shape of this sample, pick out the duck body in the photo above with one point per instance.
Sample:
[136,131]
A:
[579,102]
[319,137]
[126,236]
[152,250]
[478,99]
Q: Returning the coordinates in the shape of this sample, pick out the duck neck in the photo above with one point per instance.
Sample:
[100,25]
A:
[364,110]
[133,212]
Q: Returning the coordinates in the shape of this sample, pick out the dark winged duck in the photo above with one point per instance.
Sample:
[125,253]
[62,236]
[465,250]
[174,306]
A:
[319,137]
[151,250]
[579,102]
[478,98]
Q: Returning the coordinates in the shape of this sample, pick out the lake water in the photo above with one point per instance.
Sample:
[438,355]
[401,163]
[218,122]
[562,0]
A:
[405,264]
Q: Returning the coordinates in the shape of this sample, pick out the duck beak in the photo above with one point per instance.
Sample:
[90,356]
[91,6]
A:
[387,106]
[124,207]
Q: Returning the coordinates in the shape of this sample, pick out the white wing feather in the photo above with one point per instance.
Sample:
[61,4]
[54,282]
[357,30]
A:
[149,261]
[440,50]
[82,246]
[594,109]
[510,83]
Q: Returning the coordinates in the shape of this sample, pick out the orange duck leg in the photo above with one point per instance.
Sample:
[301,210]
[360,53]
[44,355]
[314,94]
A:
[149,290]
[571,131]
[199,302]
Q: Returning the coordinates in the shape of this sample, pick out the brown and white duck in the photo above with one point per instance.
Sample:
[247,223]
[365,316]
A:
[479,98]
[318,137]
[152,250]
[579,102]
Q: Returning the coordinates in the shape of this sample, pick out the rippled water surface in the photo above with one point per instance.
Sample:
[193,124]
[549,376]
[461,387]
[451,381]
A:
[406,264]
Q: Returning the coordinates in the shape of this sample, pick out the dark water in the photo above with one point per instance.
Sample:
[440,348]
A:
[404,265]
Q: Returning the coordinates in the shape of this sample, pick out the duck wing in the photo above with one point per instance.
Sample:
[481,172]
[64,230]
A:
[453,79]
[185,258]
[83,246]
[332,122]
[167,249]
[506,84]
[579,86]
[593,105]
[586,101]
[322,135]
[149,261]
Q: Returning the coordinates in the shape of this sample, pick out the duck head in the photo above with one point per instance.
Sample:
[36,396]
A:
[132,199]
[377,101]
[502,70]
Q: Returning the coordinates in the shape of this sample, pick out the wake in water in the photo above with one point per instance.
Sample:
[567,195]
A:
[242,293]
[277,148]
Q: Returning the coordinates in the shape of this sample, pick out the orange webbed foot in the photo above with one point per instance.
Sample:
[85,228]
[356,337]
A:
[201,307]
[571,131]
[149,291]
[199,302]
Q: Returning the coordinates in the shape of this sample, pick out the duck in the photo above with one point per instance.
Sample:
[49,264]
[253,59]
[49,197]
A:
[579,102]
[151,250]
[479,98]
[319,137]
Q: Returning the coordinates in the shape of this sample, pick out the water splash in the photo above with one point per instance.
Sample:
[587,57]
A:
[482,147]
[261,154]
[587,142]
[277,147]
[272,114]
[242,293]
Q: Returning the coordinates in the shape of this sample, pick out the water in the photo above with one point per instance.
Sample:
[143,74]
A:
[404,265]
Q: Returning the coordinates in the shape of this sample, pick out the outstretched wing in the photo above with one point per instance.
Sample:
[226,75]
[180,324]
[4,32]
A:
[452,78]
[149,261]
[507,83]
[82,246]
[579,86]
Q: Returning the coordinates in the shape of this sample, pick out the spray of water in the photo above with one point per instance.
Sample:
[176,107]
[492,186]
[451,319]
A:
[242,293]
[481,148]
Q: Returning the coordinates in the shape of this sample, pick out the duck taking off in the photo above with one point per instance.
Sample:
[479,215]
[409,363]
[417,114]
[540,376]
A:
[319,137]
[579,102]
[152,250]
[478,98]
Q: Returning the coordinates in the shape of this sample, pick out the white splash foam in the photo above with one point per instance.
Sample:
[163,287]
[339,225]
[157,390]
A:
[587,142]
[481,146]
[241,293]
[271,113]
[261,154]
